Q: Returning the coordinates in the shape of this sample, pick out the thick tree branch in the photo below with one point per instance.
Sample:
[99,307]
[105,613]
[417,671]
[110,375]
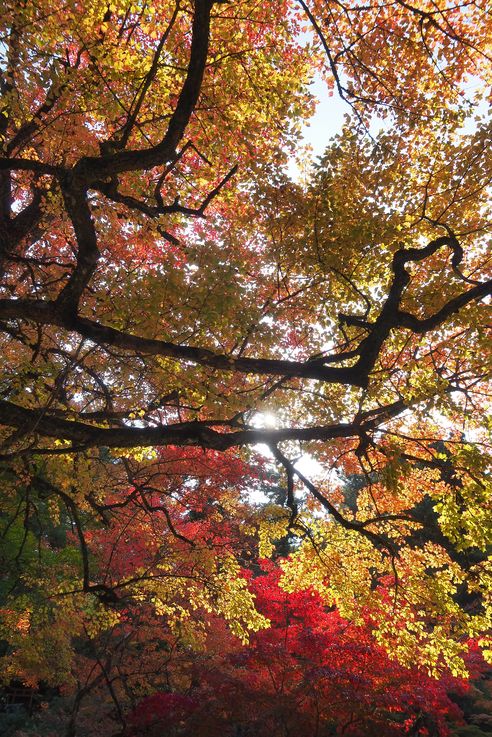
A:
[450,308]
[88,252]
[37,167]
[91,168]
[29,421]
[121,138]
[390,317]
[51,313]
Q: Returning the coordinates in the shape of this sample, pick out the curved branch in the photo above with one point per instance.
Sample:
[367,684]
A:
[92,168]
[88,254]
[454,305]
[51,313]
[360,527]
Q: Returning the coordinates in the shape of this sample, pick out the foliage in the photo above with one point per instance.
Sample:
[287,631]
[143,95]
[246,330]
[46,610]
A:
[311,672]
[181,322]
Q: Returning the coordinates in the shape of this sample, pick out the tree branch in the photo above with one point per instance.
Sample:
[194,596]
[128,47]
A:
[92,168]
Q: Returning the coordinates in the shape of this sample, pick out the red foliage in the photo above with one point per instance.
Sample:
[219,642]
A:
[169,709]
[311,673]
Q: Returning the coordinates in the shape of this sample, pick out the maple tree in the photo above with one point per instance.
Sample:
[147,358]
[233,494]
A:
[171,300]
[310,672]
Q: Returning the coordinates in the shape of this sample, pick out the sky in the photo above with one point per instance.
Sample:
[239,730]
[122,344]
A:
[328,118]
[326,122]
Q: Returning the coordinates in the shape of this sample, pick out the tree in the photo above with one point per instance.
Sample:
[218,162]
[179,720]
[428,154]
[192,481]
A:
[166,289]
[310,672]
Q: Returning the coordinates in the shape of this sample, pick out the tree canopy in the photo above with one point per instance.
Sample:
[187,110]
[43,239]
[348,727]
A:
[218,381]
